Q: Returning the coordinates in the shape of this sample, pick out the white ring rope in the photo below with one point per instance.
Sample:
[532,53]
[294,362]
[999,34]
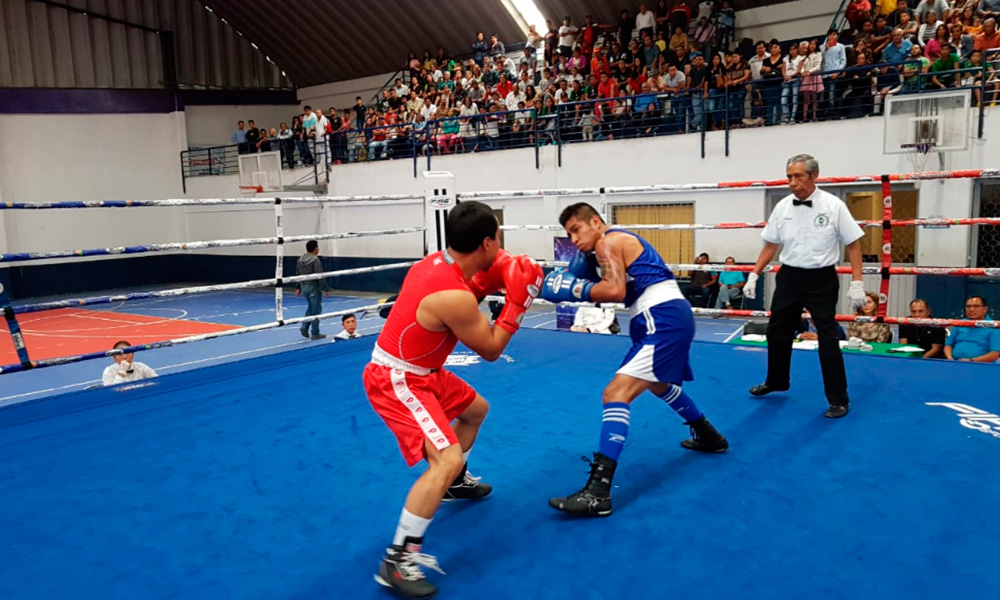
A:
[26,256]
[51,362]
[186,291]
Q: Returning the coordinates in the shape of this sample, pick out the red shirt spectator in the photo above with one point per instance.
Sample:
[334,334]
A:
[989,37]
[504,86]
[636,82]
[599,64]
[608,88]
[858,11]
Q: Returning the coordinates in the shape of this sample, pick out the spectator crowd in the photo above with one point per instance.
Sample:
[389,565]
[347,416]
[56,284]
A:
[671,67]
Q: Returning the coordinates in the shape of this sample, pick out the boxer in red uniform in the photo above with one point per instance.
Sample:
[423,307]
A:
[437,307]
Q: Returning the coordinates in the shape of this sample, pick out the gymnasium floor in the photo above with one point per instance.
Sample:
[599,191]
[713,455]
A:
[70,331]
[272,478]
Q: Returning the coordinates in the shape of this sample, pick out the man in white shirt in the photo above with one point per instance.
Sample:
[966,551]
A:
[810,226]
[645,22]
[567,37]
[757,61]
[125,368]
[350,323]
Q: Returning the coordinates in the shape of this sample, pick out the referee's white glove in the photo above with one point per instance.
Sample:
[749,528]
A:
[856,293]
[750,288]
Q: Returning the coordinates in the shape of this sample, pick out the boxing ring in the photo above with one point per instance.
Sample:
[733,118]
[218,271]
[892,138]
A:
[271,477]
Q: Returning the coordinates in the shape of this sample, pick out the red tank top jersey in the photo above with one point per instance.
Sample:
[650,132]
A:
[404,338]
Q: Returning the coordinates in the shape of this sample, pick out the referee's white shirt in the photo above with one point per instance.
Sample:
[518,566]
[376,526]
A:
[112,374]
[811,236]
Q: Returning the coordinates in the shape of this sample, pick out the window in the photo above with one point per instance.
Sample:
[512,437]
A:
[867,206]
[676,246]
[986,238]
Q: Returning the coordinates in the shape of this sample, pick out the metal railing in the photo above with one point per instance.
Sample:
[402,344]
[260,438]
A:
[850,93]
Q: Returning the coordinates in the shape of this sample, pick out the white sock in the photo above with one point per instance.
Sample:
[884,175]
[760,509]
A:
[465,455]
[410,525]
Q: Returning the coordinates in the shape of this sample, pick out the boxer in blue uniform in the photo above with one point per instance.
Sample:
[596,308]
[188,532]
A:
[662,327]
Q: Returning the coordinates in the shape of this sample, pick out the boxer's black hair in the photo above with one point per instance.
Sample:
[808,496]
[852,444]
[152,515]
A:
[469,224]
[581,211]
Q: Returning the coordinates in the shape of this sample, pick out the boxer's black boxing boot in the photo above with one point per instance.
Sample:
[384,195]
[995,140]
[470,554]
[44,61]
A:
[400,570]
[467,487]
[705,437]
[594,500]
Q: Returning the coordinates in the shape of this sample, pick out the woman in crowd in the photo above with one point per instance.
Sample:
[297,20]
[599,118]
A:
[933,47]
[301,137]
[927,30]
[772,74]
[968,21]
[447,130]
[716,92]
[429,63]
[792,82]
[812,84]
[870,332]
[413,64]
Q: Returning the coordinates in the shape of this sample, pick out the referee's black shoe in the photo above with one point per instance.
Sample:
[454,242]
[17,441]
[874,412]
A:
[837,410]
[763,389]
[467,487]
[705,437]
[594,500]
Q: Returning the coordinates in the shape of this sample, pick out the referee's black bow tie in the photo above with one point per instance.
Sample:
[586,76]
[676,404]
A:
[797,202]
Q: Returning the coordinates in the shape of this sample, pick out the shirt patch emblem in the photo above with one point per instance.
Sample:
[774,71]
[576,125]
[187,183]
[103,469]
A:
[821,221]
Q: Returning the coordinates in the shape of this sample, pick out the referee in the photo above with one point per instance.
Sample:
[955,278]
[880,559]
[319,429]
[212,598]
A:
[810,225]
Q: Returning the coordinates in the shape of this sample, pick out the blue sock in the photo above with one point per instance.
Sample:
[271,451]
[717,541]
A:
[614,429]
[682,404]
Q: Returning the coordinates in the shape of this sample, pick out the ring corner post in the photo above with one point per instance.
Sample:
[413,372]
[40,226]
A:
[439,198]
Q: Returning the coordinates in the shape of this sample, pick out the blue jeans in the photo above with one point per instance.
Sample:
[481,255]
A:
[727,295]
[314,297]
[304,153]
[790,89]
[771,91]
[736,97]
[698,110]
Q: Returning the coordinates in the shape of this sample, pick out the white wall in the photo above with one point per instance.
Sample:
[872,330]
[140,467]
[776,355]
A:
[755,154]
[342,93]
[213,125]
[797,20]
[50,158]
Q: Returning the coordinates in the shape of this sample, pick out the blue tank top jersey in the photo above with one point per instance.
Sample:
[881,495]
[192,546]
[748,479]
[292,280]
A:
[646,270]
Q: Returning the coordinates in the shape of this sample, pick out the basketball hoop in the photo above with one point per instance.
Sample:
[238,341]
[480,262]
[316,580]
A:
[917,154]
[249,191]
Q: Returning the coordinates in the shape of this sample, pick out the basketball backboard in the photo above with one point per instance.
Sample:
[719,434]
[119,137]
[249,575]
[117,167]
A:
[939,120]
[262,169]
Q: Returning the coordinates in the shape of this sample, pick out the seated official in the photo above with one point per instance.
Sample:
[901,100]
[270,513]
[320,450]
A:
[870,332]
[930,339]
[125,368]
[590,319]
[730,285]
[699,290]
[350,323]
[974,344]
[807,331]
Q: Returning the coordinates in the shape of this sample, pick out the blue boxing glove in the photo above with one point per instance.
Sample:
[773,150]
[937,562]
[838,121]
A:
[584,266]
[563,286]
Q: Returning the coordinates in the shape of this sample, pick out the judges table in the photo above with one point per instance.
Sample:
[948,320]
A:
[904,350]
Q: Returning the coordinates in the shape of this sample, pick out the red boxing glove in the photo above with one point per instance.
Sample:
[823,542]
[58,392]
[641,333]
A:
[523,279]
[487,282]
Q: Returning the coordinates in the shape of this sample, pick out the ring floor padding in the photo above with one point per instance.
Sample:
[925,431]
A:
[272,478]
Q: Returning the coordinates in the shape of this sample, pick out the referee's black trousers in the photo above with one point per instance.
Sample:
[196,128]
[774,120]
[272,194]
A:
[816,290]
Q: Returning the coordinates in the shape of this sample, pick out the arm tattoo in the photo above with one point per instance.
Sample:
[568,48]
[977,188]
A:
[612,266]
